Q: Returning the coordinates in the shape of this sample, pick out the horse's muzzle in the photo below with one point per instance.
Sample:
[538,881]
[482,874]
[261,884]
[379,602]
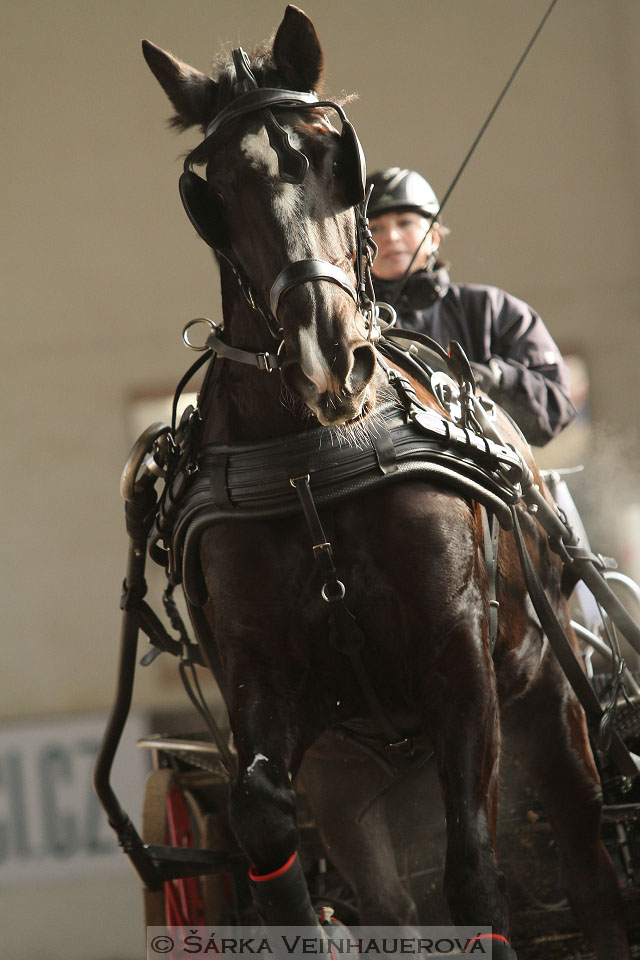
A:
[336,393]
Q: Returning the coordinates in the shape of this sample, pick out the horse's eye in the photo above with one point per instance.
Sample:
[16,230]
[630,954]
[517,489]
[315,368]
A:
[336,168]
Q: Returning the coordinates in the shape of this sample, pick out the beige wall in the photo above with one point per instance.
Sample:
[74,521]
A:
[101,268]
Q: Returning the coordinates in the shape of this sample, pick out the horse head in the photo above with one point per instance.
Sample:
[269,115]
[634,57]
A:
[282,208]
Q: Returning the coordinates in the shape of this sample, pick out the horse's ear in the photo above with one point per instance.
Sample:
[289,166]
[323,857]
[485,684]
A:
[297,53]
[193,94]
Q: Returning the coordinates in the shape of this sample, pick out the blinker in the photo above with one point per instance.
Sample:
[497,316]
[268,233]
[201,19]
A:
[292,164]
[203,208]
[355,167]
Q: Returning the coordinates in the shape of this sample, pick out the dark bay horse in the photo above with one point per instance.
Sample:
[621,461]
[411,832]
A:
[281,186]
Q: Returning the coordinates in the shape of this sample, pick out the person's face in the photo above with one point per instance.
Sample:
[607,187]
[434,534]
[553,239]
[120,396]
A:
[397,235]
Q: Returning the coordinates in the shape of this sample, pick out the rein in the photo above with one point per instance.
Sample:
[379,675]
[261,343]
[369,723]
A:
[395,295]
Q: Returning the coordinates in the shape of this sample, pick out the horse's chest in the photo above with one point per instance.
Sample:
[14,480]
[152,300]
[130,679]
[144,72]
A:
[405,557]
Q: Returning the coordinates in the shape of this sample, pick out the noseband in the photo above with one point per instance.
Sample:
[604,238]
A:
[292,168]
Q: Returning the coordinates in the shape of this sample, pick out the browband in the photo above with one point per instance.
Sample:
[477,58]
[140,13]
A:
[259,100]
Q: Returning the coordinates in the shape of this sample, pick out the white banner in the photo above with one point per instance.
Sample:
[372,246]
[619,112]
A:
[51,823]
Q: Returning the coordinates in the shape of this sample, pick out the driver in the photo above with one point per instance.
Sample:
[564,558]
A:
[513,356]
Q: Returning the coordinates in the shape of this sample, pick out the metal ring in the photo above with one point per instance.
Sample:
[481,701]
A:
[294,480]
[194,346]
[340,595]
[389,310]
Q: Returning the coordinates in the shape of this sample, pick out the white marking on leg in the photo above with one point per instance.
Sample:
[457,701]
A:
[259,758]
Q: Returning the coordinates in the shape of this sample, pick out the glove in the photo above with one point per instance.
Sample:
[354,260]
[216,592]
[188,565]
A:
[487,375]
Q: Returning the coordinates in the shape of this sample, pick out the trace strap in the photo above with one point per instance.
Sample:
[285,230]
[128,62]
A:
[490,537]
[346,634]
[560,645]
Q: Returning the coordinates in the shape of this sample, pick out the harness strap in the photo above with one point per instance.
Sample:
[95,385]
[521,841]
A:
[143,617]
[267,362]
[419,337]
[385,450]
[345,633]
[567,659]
[562,539]
[260,99]
[302,271]
[490,537]
[193,369]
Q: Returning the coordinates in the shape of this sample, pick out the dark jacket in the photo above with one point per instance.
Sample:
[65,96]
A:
[492,325]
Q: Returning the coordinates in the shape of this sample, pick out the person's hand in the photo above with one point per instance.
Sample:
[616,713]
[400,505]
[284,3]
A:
[487,375]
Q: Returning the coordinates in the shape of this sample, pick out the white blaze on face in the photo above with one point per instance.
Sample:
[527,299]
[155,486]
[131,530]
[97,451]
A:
[286,203]
[312,361]
[285,197]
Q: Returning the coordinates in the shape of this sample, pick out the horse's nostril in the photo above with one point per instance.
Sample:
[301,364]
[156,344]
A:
[362,369]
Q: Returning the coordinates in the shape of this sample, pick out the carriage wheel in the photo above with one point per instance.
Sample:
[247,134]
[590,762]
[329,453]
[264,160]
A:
[173,816]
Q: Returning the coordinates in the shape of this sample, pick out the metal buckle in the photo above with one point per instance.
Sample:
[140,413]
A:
[447,393]
[322,548]
[305,477]
[265,362]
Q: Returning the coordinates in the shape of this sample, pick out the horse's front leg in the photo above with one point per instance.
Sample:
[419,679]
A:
[263,802]
[461,711]
[255,577]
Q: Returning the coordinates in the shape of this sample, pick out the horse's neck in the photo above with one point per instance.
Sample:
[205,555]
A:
[245,403]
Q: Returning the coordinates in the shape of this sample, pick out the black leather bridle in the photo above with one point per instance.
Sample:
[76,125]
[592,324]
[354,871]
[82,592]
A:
[206,215]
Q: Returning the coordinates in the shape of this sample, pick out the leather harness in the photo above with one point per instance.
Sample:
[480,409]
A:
[253,480]
[311,470]
[308,471]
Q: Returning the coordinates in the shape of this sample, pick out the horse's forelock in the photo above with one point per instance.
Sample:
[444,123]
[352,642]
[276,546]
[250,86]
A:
[262,67]
[223,72]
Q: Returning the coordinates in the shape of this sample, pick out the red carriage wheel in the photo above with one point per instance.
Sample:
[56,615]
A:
[184,902]
[172,816]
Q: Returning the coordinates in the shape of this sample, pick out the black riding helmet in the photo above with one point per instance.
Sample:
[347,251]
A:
[400,189]
[394,190]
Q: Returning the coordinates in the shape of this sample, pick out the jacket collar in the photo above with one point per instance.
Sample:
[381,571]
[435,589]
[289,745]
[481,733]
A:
[421,289]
